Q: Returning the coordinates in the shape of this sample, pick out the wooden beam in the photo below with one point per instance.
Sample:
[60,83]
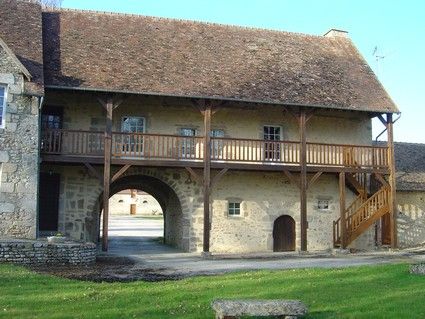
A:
[392,181]
[207,177]
[309,115]
[121,171]
[381,118]
[292,178]
[107,171]
[303,179]
[195,175]
[93,171]
[314,179]
[381,179]
[217,177]
[342,205]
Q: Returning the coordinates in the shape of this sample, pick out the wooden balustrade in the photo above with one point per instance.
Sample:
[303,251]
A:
[154,146]
[347,155]
[360,212]
[72,142]
[173,147]
[368,208]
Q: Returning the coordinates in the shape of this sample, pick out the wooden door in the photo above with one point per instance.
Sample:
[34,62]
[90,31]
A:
[49,202]
[385,230]
[284,234]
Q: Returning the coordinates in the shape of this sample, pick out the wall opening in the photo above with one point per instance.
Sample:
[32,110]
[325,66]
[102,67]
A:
[144,211]
[284,234]
[135,219]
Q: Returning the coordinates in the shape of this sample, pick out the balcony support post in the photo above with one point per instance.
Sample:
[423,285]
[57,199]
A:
[109,106]
[303,178]
[343,230]
[207,176]
[392,181]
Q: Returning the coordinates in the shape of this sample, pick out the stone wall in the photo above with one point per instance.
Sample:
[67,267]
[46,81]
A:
[40,252]
[119,204]
[264,197]
[82,112]
[18,157]
[411,218]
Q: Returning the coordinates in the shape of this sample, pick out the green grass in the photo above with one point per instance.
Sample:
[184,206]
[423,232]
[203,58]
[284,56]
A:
[387,291]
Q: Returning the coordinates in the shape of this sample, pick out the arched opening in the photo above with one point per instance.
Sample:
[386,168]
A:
[135,220]
[157,213]
[284,234]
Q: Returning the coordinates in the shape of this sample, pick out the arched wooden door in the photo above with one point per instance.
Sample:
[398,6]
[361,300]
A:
[284,234]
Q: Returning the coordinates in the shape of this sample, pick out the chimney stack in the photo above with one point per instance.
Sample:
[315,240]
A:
[336,33]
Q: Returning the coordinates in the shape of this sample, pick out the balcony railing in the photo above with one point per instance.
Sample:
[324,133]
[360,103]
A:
[236,150]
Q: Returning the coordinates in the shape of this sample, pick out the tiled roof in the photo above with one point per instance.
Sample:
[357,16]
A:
[410,166]
[21,30]
[139,54]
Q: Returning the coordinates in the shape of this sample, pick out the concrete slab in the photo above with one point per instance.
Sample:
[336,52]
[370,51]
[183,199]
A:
[135,238]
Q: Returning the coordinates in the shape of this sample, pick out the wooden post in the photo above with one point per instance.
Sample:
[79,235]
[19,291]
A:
[107,171]
[343,230]
[303,179]
[207,176]
[392,181]
[133,206]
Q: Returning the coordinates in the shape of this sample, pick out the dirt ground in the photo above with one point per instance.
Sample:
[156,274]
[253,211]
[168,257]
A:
[111,269]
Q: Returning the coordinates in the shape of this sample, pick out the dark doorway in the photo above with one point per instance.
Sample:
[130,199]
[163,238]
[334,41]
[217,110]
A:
[49,202]
[386,229]
[284,234]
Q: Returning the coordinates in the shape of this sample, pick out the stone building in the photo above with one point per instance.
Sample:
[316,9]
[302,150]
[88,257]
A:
[410,167]
[249,139]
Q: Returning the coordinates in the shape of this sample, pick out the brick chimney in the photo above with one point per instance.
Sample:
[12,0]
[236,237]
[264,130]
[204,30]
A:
[336,33]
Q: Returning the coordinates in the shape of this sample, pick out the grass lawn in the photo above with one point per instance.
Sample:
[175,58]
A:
[387,291]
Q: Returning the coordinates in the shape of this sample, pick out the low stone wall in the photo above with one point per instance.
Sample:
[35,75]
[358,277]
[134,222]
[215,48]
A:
[40,252]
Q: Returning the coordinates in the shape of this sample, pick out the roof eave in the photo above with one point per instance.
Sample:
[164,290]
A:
[229,99]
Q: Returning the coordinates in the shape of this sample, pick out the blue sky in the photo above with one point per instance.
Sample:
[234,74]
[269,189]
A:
[395,27]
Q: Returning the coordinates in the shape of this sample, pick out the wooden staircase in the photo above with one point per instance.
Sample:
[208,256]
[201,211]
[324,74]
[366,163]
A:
[361,214]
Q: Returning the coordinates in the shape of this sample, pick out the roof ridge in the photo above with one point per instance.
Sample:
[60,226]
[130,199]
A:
[53,9]
[410,143]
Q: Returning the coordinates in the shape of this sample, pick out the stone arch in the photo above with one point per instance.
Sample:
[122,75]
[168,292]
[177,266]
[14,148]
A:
[162,186]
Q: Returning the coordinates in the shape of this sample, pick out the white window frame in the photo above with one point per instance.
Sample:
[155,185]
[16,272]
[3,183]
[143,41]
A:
[128,141]
[3,115]
[323,201]
[229,208]
[276,153]
[136,117]
[188,147]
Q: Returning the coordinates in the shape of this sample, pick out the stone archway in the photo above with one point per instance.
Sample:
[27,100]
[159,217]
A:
[167,199]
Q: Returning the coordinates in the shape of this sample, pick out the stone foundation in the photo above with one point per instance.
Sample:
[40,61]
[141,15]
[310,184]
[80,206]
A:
[32,252]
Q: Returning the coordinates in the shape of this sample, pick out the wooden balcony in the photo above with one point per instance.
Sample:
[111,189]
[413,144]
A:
[173,150]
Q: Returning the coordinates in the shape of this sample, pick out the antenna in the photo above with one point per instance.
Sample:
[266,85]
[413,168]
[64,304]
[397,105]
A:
[378,57]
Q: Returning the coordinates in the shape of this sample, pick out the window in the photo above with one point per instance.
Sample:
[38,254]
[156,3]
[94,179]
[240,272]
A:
[132,143]
[188,147]
[216,144]
[234,209]
[51,122]
[132,124]
[3,99]
[323,204]
[271,149]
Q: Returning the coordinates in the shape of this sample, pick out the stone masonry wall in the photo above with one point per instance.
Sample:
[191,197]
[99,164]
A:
[411,218]
[18,157]
[31,252]
[265,196]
